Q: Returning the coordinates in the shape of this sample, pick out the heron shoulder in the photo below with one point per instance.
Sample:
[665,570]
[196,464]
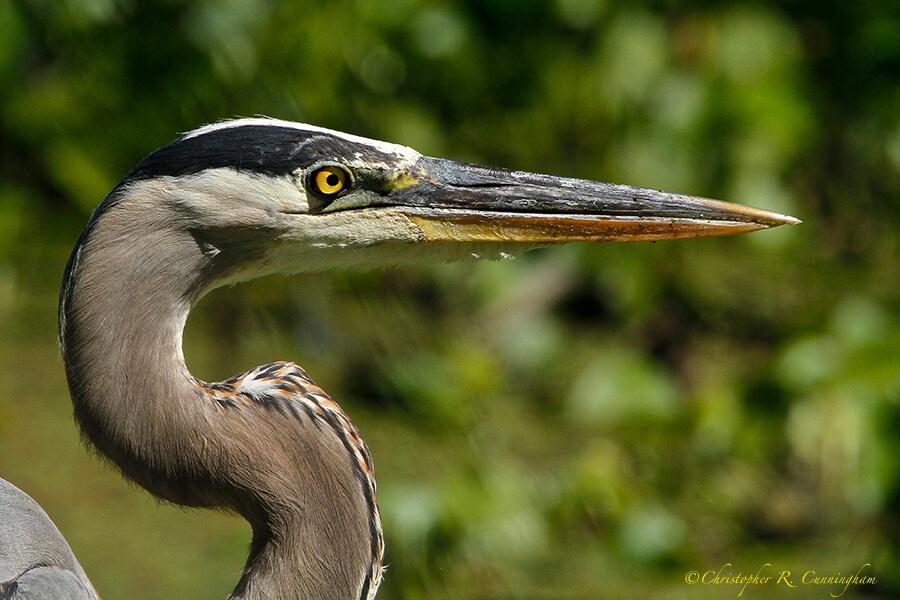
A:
[34,555]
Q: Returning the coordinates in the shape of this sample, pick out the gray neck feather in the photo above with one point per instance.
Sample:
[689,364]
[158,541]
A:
[131,286]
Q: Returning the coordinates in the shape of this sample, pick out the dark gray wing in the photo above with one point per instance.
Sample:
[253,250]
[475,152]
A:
[36,562]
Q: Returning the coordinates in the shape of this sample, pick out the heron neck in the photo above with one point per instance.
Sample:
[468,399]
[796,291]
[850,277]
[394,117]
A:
[122,314]
[124,307]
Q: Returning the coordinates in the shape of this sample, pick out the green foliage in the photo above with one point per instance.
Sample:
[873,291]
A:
[583,422]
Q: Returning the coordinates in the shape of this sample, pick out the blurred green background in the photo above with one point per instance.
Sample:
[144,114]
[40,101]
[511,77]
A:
[587,421]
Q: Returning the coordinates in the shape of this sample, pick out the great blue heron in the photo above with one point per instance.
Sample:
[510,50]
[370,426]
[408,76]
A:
[248,197]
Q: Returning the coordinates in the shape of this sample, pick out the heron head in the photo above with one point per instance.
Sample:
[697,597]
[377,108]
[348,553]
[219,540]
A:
[301,198]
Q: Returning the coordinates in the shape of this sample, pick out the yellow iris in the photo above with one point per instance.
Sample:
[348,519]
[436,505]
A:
[330,180]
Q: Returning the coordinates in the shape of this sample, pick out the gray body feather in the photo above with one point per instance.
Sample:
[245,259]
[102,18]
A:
[36,562]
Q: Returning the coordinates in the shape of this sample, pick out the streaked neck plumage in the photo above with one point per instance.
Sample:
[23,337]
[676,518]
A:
[267,444]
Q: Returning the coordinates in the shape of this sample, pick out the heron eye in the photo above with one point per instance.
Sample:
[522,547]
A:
[330,180]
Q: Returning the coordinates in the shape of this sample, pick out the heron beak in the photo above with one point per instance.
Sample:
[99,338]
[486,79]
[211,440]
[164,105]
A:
[452,201]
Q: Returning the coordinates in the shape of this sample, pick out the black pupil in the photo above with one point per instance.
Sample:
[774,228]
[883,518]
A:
[333,180]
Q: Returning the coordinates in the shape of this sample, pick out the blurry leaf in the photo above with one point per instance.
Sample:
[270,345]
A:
[532,341]
[381,68]
[410,511]
[620,385]
[13,212]
[224,30]
[634,56]
[498,515]
[681,101]
[650,532]
[599,480]
[809,361]
[11,39]
[89,12]
[581,14]
[859,321]
[79,173]
[720,416]
[834,433]
[439,32]
[752,42]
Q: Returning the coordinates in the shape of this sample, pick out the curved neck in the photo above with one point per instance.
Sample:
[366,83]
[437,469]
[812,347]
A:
[251,444]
